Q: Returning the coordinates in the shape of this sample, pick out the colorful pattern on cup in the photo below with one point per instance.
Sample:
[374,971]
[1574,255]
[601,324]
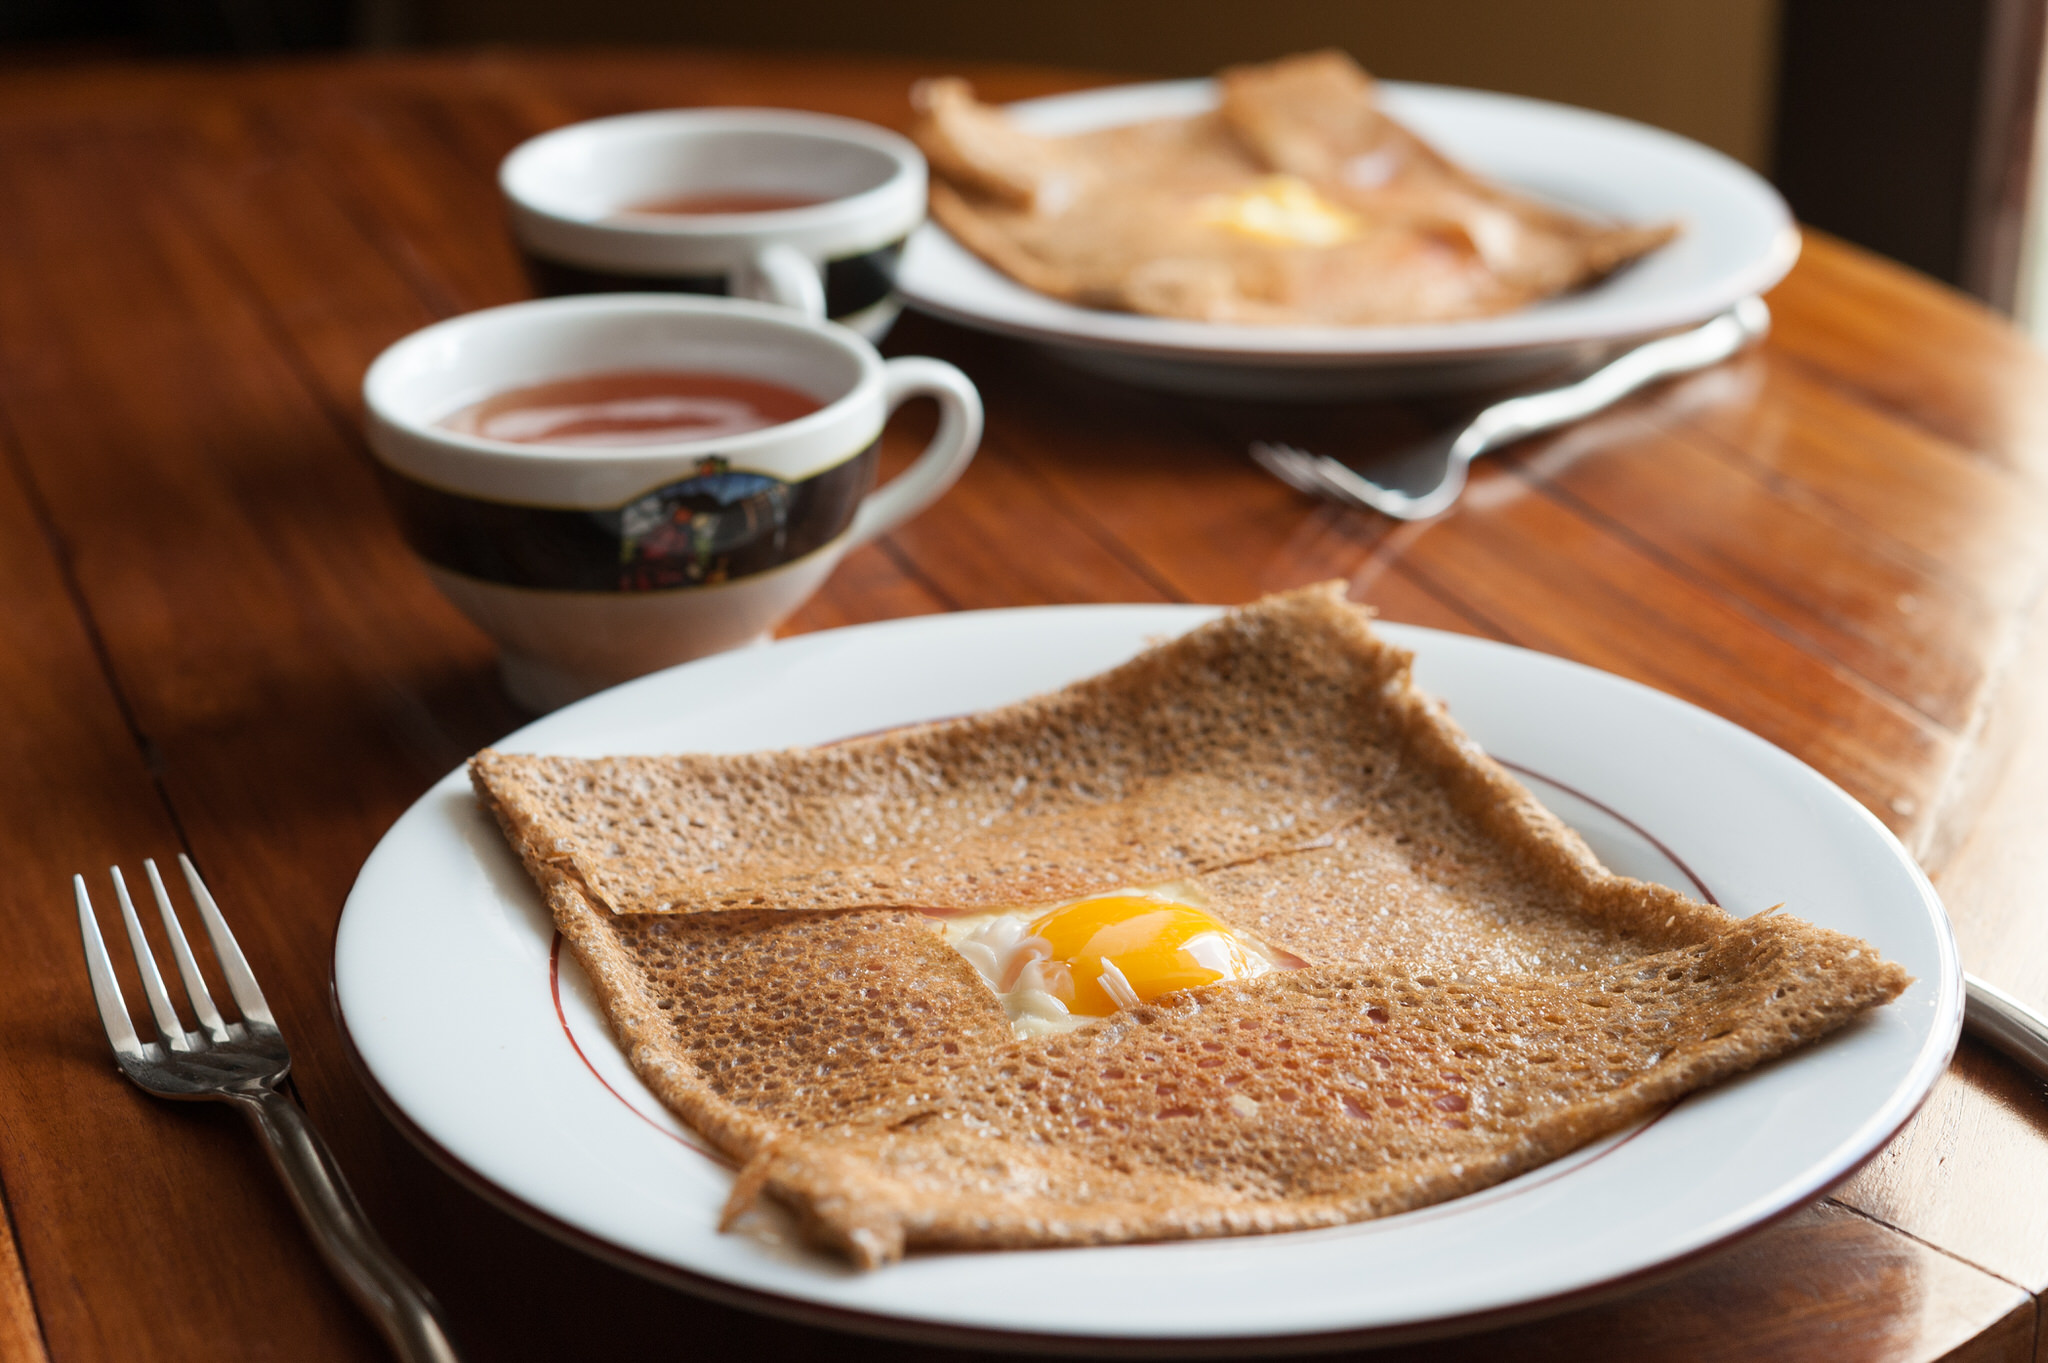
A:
[716,526]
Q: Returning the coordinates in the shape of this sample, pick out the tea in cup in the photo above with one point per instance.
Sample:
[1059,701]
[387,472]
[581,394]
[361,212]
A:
[806,210]
[610,484]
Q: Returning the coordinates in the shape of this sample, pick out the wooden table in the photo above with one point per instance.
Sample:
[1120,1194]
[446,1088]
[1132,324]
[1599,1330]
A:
[213,640]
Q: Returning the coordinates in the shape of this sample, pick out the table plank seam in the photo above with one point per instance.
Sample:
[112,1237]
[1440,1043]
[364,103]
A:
[2038,1299]
[14,1272]
[1610,530]
[1877,402]
[1392,539]
[1792,487]
[1648,548]
[908,566]
[229,262]
[383,236]
[1428,584]
[60,556]
[438,294]
[1089,524]
[1958,777]
[1945,1252]
[14,1276]
[1168,416]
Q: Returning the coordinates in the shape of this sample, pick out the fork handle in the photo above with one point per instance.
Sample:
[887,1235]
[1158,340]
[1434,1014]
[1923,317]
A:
[400,1305]
[2002,1021]
[1707,344]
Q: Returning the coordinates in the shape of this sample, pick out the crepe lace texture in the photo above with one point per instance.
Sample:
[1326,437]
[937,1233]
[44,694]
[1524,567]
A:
[1477,994]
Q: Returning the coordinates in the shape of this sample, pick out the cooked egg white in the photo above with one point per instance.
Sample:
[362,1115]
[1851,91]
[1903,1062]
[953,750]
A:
[1283,209]
[1057,967]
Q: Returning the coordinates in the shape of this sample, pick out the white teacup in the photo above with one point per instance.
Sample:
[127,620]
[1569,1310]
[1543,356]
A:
[588,565]
[571,192]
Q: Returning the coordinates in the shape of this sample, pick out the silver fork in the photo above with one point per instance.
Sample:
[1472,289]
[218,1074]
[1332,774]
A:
[243,1063]
[1426,479]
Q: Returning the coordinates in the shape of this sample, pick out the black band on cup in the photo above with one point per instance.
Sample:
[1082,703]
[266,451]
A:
[714,526]
[851,285]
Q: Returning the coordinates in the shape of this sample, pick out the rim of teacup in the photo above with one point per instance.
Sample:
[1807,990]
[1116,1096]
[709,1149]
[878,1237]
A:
[547,221]
[406,436]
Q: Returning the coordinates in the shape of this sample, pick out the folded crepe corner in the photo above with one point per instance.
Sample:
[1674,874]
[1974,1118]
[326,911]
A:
[1479,996]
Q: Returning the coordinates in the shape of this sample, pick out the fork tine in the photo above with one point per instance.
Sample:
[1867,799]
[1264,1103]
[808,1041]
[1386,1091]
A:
[1297,468]
[1313,470]
[1285,463]
[188,968]
[233,964]
[1306,473]
[170,1030]
[1321,476]
[1330,476]
[106,990]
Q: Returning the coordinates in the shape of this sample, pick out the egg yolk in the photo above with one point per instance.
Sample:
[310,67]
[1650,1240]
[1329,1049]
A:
[1124,949]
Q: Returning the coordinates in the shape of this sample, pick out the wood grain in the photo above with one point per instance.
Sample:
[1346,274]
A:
[1920,356]
[1795,1289]
[134,674]
[216,640]
[21,1335]
[1991,865]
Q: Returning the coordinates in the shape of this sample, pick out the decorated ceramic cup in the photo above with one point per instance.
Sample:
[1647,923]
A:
[802,209]
[589,566]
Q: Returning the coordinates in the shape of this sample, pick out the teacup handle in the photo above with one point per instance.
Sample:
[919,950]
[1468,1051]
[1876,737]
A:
[779,273]
[942,462]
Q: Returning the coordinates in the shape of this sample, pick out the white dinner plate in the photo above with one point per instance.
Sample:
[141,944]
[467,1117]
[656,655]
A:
[1738,240]
[445,980]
